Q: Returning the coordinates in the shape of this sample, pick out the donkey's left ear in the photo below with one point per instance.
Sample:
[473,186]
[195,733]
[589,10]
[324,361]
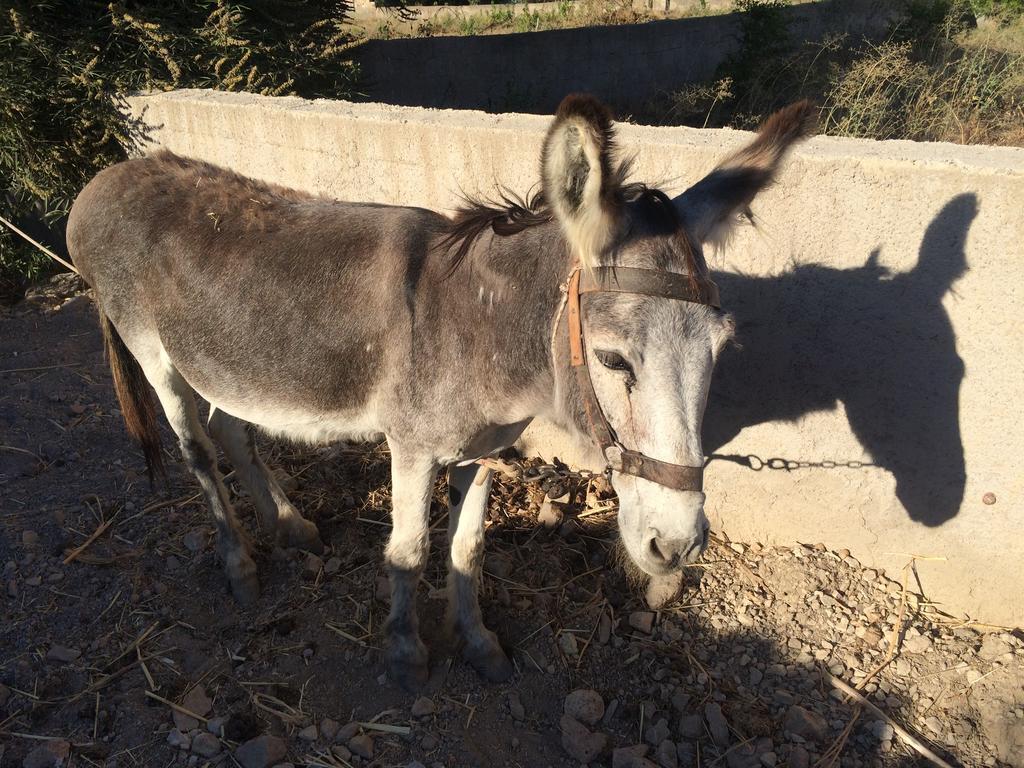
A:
[710,207]
[581,178]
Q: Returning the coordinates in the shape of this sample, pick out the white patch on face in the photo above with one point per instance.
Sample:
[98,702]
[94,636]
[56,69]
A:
[661,415]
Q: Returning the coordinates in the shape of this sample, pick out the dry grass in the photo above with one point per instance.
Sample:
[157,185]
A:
[943,74]
[965,86]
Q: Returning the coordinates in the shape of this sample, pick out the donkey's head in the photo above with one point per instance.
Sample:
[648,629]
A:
[650,358]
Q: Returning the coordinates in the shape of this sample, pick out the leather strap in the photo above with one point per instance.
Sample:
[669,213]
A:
[650,283]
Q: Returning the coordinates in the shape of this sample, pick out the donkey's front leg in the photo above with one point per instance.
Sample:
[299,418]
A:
[412,483]
[468,490]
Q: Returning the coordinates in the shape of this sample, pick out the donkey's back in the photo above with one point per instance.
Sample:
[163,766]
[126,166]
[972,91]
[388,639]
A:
[271,303]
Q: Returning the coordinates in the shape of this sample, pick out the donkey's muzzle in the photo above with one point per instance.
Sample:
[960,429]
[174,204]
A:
[670,554]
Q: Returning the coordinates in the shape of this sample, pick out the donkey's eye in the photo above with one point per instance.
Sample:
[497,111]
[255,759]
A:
[614,361]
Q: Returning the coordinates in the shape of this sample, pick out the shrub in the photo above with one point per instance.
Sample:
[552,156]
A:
[62,63]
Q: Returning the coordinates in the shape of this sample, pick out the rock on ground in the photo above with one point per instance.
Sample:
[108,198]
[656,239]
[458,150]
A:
[717,724]
[579,742]
[805,723]
[584,705]
[261,752]
[362,745]
[205,744]
[49,754]
[196,701]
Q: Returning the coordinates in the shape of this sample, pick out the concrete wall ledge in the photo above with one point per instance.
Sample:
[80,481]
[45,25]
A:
[878,305]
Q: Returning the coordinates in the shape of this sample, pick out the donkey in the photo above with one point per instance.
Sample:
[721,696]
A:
[319,320]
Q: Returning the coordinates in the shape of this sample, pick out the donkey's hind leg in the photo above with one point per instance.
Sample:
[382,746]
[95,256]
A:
[412,483]
[468,490]
[277,515]
[178,401]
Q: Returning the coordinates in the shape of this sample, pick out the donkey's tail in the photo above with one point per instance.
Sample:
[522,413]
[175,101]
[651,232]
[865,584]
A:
[135,397]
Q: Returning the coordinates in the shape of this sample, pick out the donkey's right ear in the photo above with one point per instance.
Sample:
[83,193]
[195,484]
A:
[581,178]
[710,207]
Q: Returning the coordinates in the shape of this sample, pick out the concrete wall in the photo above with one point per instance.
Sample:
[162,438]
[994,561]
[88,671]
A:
[627,65]
[370,11]
[878,307]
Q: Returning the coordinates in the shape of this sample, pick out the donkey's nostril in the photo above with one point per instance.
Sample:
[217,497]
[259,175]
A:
[664,552]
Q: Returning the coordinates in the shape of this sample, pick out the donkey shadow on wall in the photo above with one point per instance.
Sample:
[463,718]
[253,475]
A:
[879,342]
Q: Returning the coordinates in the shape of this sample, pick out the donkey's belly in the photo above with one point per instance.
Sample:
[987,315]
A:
[283,373]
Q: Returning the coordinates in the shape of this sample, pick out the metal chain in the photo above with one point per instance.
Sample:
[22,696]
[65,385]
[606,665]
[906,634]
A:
[756,463]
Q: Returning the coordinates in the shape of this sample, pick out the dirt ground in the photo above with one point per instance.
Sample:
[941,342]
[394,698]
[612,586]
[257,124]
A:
[744,670]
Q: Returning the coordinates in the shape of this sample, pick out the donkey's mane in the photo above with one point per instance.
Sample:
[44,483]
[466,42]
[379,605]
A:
[507,213]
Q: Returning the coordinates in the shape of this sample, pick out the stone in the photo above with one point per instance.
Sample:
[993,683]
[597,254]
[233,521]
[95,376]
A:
[29,538]
[332,566]
[515,707]
[768,759]
[312,566]
[604,629]
[994,645]
[63,655]
[179,740]
[205,744]
[362,745]
[657,733]
[429,742]
[310,733]
[642,621]
[422,707]
[584,705]
[680,700]
[917,644]
[799,757]
[717,724]
[340,750]
[691,726]
[579,742]
[329,729]
[742,756]
[49,754]
[667,755]
[195,700]
[195,540]
[756,676]
[215,725]
[567,642]
[882,730]
[631,757]
[872,636]
[261,752]
[346,732]
[805,723]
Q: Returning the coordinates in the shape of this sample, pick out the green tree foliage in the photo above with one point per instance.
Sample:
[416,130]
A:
[63,64]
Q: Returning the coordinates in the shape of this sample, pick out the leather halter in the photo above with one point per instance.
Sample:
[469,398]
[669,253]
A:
[648,282]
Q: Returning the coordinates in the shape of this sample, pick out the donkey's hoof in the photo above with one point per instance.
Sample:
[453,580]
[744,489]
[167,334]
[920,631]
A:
[301,533]
[488,658]
[407,666]
[245,584]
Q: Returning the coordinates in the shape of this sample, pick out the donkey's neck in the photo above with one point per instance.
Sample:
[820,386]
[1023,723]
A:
[502,302]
